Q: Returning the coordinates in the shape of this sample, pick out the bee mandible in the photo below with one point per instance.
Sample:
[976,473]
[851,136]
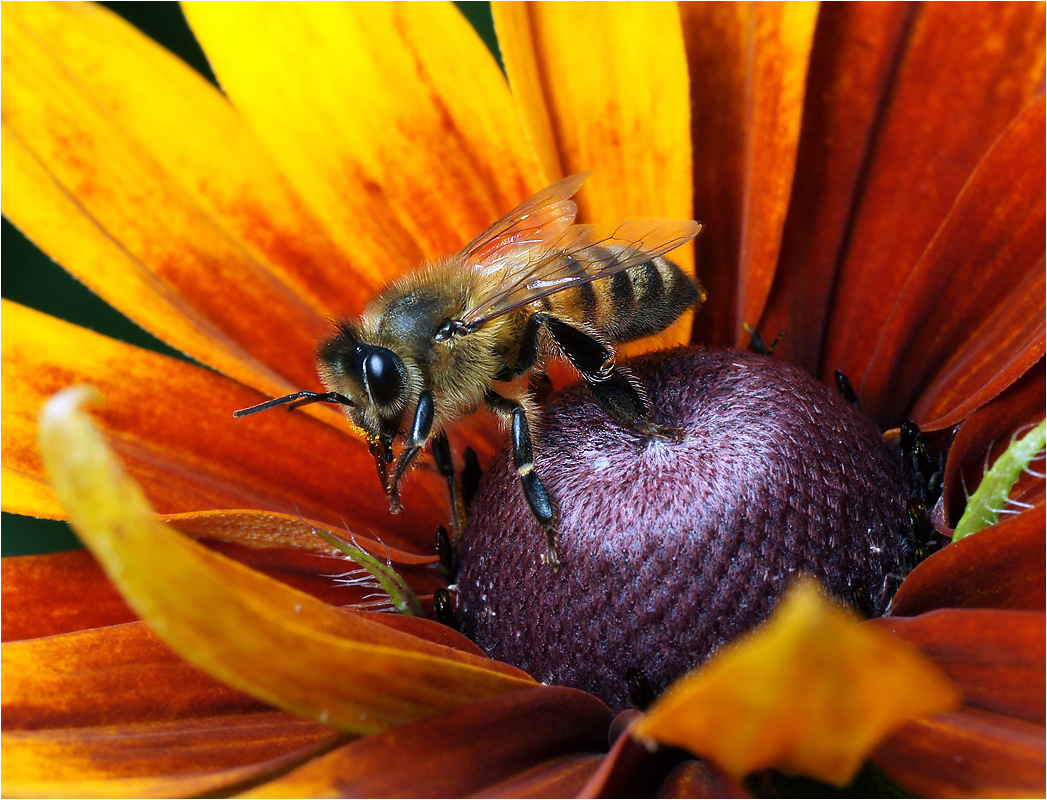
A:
[470,330]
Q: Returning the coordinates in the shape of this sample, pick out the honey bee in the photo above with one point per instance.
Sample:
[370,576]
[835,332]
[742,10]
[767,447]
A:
[470,330]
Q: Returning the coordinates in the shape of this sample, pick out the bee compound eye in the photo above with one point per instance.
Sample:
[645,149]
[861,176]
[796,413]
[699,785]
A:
[382,373]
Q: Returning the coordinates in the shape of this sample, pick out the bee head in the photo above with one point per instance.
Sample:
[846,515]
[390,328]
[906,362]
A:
[374,377]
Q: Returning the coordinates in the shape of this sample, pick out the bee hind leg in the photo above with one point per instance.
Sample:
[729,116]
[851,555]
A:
[537,496]
[614,388]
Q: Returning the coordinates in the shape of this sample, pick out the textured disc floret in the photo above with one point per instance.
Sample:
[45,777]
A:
[671,548]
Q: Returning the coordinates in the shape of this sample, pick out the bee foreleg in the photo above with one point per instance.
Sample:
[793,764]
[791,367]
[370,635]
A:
[445,463]
[534,490]
[420,430]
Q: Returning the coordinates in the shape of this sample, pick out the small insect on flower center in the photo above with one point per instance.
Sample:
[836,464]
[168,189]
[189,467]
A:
[671,547]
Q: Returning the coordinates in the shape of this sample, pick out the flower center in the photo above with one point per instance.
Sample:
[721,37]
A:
[672,549]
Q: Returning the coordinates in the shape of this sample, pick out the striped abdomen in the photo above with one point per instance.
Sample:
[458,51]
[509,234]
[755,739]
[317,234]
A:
[638,302]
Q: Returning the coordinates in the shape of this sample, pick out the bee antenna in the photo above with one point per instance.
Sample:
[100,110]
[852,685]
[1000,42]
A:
[296,400]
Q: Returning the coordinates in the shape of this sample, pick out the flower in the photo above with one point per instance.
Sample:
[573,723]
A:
[874,175]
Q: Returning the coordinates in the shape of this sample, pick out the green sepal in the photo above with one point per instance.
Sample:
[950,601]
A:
[985,505]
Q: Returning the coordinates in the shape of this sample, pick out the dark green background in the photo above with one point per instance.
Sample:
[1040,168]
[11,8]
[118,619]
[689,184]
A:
[31,278]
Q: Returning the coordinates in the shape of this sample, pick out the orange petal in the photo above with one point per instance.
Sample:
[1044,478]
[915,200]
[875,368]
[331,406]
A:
[996,657]
[746,130]
[967,753]
[227,619]
[461,753]
[965,73]
[970,319]
[392,121]
[985,435]
[57,593]
[810,692]
[1001,567]
[172,423]
[88,177]
[852,60]
[608,84]
[113,712]
[188,758]
[108,676]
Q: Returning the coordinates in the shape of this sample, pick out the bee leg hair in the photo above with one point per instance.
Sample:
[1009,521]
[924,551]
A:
[445,463]
[420,430]
[534,490]
[620,394]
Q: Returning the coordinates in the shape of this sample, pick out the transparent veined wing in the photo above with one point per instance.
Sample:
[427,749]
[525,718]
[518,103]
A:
[535,222]
[579,254]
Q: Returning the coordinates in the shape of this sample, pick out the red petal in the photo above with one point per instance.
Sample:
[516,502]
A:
[746,127]
[999,567]
[997,658]
[967,753]
[970,318]
[462,752]
[966,72]
[855,51]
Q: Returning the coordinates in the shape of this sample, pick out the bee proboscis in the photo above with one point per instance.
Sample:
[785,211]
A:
[471,329]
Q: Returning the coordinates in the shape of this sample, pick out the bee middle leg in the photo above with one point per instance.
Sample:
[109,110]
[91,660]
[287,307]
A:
[534,490]
[455,484]
[621,397]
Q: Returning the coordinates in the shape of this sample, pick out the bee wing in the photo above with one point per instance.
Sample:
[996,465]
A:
[536,221]
[580,254]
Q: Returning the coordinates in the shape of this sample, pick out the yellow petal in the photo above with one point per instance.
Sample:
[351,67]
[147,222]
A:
[810,692]
[93,184]
[392,120]
[267,639]
[609,83]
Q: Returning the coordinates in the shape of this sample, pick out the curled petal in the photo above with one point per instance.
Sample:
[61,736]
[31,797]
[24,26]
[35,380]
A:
[810,692]
[185,758]
[322,664]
